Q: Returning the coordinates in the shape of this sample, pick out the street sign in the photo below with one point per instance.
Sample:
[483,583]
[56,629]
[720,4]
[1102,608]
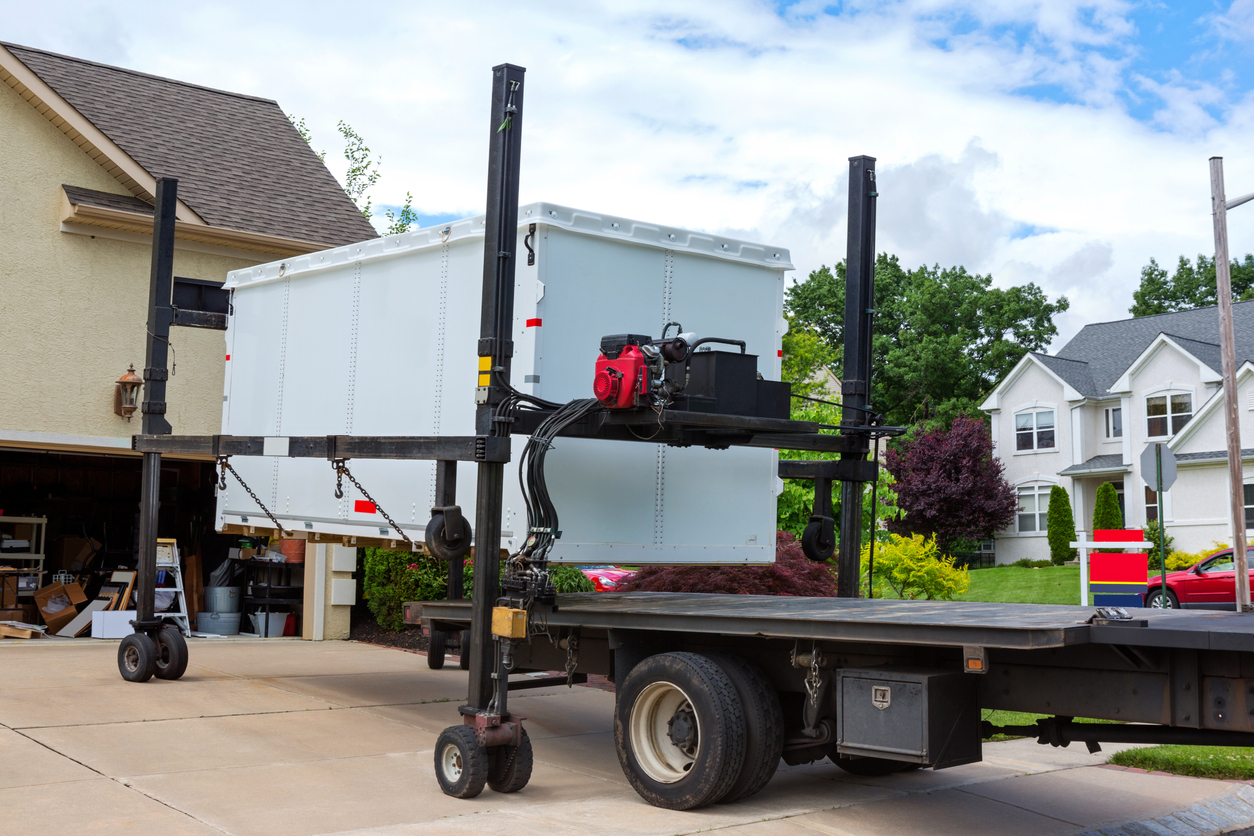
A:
[1149,467]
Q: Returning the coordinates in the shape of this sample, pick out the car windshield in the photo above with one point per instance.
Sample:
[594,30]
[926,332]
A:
[1223,562]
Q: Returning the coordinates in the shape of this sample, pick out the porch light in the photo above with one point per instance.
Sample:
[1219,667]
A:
[126,393]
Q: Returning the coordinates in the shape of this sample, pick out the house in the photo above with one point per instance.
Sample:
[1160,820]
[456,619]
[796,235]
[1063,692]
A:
[1083,417]
[83,144]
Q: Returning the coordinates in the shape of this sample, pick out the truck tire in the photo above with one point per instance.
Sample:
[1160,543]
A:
[463,652]
[461,764]
[137,658]
[764,724]
[171,658]
[869,767]
[435,649]
[509,767]
[679,731]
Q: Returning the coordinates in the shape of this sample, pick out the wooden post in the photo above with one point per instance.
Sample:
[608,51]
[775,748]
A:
[1227,349]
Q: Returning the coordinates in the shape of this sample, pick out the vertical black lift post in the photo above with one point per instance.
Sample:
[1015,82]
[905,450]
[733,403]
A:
[490,746]
[155,647]
[856,385]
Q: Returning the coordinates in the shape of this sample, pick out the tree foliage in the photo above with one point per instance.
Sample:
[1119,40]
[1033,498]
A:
[941,337]
[1060,526]
[362,172]
[806,360]
[950,485]
[1106,513]
[796,502]
[1190,286]
[792,573]
[914,568]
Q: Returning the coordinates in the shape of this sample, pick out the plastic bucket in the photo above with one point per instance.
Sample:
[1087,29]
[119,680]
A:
[277,621]
[293,551]
[224,599]
[219,623]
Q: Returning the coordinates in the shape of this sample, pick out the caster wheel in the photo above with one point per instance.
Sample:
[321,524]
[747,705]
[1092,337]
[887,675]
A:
[509,767]
[461,764]
[464,652]
[137,658]
[439,544]
[171,661]
[815,545]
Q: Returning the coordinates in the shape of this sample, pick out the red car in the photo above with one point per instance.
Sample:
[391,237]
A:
[1209,585]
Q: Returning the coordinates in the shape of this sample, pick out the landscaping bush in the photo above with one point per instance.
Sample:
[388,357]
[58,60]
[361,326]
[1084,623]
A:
[392,577]
[1027,563]
[914,568]
[792,573]
[1151,536]
[1106,514]
[1060,525]
[570,579]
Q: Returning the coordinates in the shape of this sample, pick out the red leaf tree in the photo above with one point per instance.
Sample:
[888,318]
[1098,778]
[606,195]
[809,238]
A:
[949,484]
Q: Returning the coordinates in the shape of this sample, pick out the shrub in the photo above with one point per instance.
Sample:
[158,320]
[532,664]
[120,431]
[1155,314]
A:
[792,573]
[1028,563]
[914,568]
[1106,514]
[1180,560]
[570,579]
[1060,525]
[1151,536]
[391,578]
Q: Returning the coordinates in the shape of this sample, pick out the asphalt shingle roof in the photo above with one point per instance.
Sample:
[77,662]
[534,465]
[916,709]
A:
[1220,455]
[1110,462]
[1075,372]
[240,163]
[1108,348]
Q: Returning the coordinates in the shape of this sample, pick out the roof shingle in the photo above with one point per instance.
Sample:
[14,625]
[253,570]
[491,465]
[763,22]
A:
[239,161]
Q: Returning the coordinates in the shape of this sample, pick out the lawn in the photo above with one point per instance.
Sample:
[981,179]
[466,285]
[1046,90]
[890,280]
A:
[1016,584]
[1200,761]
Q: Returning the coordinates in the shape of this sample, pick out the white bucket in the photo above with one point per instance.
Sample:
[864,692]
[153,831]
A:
[220,623]
[277,621]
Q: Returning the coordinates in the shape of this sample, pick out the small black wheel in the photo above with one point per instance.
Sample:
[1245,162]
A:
[1154,600]
[815,544]
[461,764]
[509,767]
[435,649]
[869,767]
[137,658]
[440,545]
[764,724]
[679,731]
[171,653]
[463,652]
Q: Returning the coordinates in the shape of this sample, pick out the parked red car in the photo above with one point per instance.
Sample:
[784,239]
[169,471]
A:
[1210,584]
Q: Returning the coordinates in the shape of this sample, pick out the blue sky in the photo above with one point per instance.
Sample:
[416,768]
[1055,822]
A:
[1062,142]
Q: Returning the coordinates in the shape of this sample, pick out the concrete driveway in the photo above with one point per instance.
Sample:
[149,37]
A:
[291,738]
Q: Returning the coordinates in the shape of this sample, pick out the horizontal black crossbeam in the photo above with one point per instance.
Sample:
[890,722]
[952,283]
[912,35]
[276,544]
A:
[845,470]
[464,448]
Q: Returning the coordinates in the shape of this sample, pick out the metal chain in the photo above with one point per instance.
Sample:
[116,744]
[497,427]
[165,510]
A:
[226,465]
[572,658]
[341,470]
[814,679]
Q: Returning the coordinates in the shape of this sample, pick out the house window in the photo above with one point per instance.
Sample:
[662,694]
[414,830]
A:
[1249,506]
[1114,422]
[1033,508]
[1166,415]
[1151,504]
[1034,430]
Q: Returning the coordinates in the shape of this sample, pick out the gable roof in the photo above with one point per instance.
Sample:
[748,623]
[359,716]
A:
[1074,372]
[240,162]
[1109,348]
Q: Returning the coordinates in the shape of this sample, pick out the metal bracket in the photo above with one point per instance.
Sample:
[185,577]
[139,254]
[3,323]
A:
[492,729]
[527,242]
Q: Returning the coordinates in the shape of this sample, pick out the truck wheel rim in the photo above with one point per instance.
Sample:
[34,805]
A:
[131,658]
[451,763]
[652,715]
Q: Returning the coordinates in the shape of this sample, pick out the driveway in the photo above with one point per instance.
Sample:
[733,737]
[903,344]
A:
[290,738]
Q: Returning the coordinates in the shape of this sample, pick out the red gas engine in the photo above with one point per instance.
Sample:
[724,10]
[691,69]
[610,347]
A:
[622,374]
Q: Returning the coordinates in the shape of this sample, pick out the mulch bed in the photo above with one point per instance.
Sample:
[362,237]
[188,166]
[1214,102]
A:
[365,629]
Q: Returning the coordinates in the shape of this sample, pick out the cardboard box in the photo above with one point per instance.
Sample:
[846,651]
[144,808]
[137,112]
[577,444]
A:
[112,624]
[69,552]
[59,617]
[13,614]
[8,590]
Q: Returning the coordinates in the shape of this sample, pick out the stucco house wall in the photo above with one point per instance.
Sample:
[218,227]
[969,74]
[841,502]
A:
[74,306]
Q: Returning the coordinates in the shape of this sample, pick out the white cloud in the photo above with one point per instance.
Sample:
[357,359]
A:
[748,126]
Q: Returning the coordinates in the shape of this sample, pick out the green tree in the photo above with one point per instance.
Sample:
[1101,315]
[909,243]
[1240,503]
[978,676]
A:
[1190,286]
[806,359]
[942,338]
[913,567]
[1106,513]
[359,177]
[1060,525]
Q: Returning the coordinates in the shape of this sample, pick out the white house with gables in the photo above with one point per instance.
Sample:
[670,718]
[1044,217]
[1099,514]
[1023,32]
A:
[1083,416]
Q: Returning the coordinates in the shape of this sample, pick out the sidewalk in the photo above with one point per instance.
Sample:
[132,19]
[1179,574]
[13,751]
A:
[291,738]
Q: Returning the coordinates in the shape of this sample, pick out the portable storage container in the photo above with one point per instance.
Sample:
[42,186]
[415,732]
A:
[380,338]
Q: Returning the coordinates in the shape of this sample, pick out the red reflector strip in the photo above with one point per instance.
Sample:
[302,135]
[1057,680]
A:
[780,353]
[361,506]
[228,357]
[534,323]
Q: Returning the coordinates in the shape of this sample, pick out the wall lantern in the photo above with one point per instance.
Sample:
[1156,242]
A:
[126,393]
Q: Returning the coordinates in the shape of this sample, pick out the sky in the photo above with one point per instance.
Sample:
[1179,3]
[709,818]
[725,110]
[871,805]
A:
[1063,143]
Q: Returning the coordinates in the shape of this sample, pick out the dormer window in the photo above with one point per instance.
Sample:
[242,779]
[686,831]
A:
[1034,430]
[1166,415]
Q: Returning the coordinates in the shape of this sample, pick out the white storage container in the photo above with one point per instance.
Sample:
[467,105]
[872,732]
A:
[380,338]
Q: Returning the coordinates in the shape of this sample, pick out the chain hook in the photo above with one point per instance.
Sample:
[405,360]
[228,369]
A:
[222,477]
[338,464]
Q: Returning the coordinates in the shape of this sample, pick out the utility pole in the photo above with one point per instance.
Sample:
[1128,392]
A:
[1227,347]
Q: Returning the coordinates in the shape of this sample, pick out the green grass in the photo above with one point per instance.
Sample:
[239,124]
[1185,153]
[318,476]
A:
[1021,718]
[1013,584]
[1223,762]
